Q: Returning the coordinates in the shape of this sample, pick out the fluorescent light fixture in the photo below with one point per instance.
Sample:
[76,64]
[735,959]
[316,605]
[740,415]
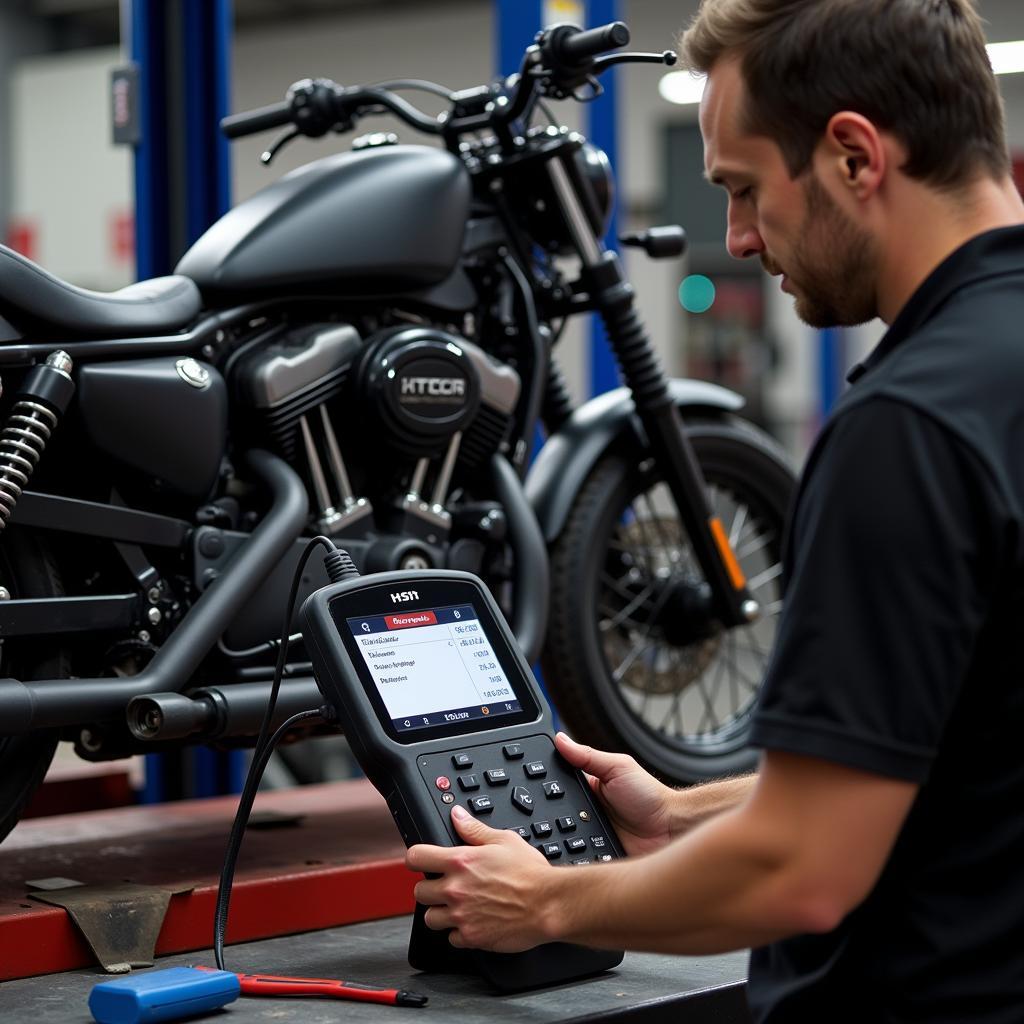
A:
[684,87]
[1007,58]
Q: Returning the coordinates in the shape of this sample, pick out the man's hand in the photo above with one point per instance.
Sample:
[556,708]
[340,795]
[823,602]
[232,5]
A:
[795,855]
[491,892]
[640,807]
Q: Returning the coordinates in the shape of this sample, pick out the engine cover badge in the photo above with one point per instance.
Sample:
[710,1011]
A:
[431,388]
[423,385]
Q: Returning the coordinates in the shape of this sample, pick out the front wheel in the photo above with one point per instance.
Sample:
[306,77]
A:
[634,659]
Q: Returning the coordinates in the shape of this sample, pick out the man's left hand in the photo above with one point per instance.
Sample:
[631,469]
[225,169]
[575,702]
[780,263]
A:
[491,892]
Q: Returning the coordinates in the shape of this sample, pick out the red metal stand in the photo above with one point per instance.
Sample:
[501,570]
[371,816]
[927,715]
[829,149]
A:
[81,786]
[341,863]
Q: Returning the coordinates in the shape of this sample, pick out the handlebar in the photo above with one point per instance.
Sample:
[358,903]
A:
[251,121]
[575,47]
[563,58]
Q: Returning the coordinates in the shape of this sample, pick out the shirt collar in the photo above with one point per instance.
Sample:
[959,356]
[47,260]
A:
[985,255]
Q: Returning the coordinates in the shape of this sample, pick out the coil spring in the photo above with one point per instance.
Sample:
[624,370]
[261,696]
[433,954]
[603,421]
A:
[22,442]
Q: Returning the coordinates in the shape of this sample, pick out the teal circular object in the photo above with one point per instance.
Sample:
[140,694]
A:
[697,293]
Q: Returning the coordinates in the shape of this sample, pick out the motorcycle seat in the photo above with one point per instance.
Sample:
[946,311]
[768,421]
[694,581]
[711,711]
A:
[35,300]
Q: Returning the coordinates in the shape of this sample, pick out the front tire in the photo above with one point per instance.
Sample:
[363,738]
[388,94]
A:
[632,661]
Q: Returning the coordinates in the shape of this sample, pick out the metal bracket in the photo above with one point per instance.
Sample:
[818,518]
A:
[120,922]
[139,566]
[52,512]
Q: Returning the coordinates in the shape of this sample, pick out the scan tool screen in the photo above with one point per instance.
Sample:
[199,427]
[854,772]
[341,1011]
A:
[434,667]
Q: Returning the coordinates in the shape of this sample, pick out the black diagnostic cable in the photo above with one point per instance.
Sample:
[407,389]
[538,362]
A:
[245,802]
[339,567]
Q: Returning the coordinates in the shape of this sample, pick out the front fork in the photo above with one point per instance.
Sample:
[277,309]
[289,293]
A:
[641,372]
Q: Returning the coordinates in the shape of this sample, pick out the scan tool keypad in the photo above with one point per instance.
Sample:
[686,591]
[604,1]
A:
[524,786]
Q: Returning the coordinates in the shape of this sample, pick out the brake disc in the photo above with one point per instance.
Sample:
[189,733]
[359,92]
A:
[660,669]
[647,662]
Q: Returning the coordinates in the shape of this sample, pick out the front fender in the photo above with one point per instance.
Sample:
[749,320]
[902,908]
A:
[565,461]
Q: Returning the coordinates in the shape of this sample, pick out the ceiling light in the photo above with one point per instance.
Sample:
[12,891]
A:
[684,87]
[1007,58]
[681,87]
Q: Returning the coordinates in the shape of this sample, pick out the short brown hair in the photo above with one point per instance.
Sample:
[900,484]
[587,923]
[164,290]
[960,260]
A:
[916,68]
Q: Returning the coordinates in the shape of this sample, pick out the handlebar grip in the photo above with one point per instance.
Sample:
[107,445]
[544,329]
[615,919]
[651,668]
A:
[251,121]
[581,46]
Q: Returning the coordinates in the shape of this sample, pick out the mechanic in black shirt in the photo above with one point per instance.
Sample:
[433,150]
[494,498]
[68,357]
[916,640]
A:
[876,863]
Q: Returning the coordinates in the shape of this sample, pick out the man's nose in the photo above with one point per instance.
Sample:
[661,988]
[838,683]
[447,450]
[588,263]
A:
[742,239]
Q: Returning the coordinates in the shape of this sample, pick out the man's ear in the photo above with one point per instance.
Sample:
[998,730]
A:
[853,147]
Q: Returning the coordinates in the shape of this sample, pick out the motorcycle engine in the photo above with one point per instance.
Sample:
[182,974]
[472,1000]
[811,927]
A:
[384,429]
[422,385]
[414,387]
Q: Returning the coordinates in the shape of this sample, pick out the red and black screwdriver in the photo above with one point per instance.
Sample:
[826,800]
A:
[327,988]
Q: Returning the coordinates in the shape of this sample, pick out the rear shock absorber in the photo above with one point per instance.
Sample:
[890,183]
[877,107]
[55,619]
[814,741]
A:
[43,398]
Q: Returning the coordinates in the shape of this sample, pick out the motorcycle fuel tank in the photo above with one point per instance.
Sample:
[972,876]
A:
[377,221]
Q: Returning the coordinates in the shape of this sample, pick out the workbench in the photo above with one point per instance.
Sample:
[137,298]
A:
[645,988]
[324,862]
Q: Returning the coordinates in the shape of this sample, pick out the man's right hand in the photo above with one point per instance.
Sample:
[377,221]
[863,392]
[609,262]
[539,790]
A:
[640,807]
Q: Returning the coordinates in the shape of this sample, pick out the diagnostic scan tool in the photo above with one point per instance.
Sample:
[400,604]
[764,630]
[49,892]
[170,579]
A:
[439,705]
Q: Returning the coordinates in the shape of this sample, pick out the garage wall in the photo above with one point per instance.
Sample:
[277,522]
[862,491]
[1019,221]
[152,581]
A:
[72,188]
[446,43]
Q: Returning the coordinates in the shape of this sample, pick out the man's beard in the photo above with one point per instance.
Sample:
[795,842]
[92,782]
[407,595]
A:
[833,272]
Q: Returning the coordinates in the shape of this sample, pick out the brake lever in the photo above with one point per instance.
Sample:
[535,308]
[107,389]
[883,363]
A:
[596,91]
[561,87]
[268,154]
[668,58]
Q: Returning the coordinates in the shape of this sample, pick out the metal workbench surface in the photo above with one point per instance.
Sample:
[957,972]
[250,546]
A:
[644,988]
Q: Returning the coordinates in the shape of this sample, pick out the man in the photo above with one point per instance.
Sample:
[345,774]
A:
[876,865]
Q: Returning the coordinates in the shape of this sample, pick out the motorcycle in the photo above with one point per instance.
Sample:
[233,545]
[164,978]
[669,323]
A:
[363,349]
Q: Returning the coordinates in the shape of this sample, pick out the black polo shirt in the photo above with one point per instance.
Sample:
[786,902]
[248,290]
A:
[899,652]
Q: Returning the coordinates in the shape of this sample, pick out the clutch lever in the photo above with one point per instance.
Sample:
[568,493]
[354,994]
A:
[277,145]
[668,58]
[565,85]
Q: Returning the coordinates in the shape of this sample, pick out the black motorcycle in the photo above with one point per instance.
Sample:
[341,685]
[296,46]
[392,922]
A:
[364,349]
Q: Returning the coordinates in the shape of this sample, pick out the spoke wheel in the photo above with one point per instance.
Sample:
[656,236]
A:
[635,660]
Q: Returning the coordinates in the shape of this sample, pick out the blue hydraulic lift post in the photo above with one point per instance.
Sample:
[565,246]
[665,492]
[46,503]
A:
[182,185]
[830,369]
[516,24]
[602,130]
[207,58]
[147,53]
[206,54]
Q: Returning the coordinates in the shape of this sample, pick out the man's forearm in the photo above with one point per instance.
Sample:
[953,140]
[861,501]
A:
[724,887]
[795,857]
[697,804]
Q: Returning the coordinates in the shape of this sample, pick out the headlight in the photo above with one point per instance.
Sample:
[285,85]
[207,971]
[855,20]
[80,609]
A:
[596,169]
[533,198]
